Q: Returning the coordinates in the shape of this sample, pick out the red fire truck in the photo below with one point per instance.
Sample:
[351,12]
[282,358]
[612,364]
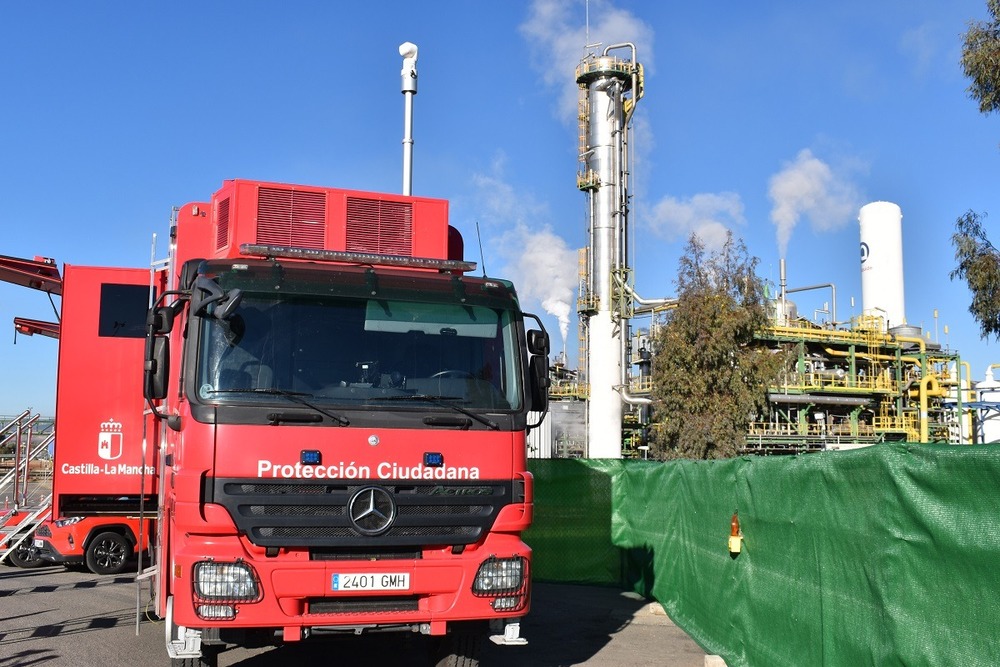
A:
[340,414]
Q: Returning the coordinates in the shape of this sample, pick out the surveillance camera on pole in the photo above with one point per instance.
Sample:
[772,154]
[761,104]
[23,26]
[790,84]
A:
[409,88]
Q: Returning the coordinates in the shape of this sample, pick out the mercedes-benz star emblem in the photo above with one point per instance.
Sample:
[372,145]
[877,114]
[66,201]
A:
[372,510]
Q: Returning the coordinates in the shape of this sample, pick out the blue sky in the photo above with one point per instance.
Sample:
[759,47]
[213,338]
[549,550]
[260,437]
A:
[114,112]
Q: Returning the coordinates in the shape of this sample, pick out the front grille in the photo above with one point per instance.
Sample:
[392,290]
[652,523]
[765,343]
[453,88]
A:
[365,605]
[311,514]
[365,554]
[300,510]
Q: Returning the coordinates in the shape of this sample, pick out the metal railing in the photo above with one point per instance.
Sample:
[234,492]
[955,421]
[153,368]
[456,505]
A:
[30,476]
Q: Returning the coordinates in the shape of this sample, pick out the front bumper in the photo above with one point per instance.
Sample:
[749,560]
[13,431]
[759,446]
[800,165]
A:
[49,553]
[299,596]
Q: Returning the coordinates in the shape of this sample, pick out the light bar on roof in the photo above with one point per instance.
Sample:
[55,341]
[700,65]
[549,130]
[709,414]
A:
[270,251]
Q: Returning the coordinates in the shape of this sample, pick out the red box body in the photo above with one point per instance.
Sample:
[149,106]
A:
[99,403]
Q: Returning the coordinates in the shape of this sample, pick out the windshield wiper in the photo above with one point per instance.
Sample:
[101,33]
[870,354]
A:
[296,396]
[444,402]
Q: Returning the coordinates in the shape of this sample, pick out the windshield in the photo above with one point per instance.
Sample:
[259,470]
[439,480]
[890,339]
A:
[361,352]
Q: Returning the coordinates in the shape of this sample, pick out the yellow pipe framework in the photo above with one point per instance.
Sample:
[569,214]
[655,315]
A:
[820,334]
[929,386]
[875,357]
[929,383]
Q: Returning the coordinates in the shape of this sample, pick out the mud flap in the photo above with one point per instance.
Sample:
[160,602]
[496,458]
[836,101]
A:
[182,642]
[511,629]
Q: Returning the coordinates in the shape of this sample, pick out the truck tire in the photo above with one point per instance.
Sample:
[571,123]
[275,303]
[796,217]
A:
[108,553]
[25,554]
[460,649]
[209,658]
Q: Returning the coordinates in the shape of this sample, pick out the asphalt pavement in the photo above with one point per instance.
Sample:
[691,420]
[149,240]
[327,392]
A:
[55,617]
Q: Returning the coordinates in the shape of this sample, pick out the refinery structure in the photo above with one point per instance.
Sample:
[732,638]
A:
[848,383]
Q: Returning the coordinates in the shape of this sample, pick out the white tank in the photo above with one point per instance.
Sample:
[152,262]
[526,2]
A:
[781,312]
[882,262]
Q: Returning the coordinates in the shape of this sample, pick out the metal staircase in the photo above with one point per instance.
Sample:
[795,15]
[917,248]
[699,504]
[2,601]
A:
[26,488]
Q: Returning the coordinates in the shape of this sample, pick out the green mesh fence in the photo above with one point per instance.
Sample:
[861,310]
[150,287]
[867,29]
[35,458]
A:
[570,536]
[888,555]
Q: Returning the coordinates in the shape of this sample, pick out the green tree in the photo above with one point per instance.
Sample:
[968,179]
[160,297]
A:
[979,266]
[710,378]
[978,260]
[981,59]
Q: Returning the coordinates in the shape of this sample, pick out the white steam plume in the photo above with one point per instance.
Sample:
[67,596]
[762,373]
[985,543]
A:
[808,187]
[544,270]
[542,266]
[708,215]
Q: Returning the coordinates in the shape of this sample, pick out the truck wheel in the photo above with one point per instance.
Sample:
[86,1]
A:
[108,553]
[460,649]
[25,554]
[209,658]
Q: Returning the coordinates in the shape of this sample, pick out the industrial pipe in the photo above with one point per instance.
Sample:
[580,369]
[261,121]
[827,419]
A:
[648,302]
[820,334]
[632,400]
[912,339]
[833,289]
[636,83]
[965,414]
[929,386]
[872,357]
[805,399]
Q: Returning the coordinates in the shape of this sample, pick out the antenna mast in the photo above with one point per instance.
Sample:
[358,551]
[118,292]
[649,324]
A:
[409,88]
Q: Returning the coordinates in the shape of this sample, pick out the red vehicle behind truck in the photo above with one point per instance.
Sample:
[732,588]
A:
[342,414]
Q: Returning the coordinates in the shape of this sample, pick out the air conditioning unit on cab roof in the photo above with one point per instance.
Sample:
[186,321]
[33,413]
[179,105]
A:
[313,218]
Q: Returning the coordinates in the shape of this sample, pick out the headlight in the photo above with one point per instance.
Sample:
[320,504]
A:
[68,521]
[499,576]
[230,582]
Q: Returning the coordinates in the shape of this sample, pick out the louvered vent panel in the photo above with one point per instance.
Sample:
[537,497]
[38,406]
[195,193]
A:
[383,227]
[222,227]
[291,218]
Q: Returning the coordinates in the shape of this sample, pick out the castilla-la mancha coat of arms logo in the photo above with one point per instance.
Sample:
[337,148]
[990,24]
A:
[109,441]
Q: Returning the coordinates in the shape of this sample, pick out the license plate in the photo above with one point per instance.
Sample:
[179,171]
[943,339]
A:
[39,543]
[368,581]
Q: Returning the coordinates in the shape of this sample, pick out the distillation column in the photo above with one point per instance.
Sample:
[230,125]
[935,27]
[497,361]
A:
[609,89]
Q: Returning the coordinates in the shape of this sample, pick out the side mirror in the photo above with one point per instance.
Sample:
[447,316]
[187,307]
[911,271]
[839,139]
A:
[206,292]
[156,368]
[538,342]
[225,309]
[538,367]
[160,320]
